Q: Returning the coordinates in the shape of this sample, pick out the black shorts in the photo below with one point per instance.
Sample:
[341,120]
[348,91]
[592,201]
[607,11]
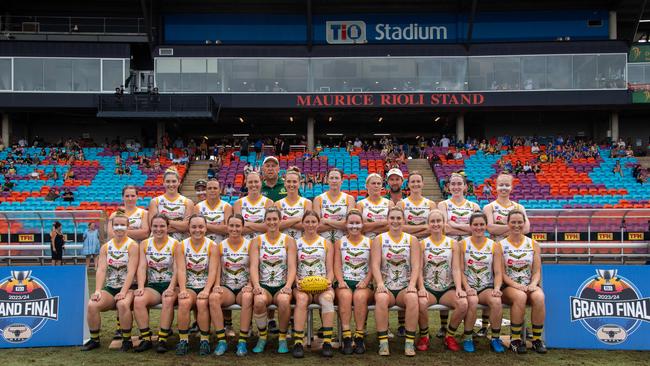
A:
[438,294]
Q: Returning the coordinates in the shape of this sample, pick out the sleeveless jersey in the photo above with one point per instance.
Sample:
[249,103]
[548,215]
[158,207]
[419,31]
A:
[117,259]
[196,263]
[173,210]
[214,215]
[460,214]
[437,271]
[290,211]
[478,263]
[334,209]
[311,257]
[374,211]
[273,261]
[500,215]
[253,212]
[416,213]
[235,272]
[160,262]
[135,218]
[518,260]
[396,260]
[355,258]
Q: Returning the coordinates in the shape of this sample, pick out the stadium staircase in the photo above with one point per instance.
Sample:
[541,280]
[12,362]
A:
[431,187]
[198,169]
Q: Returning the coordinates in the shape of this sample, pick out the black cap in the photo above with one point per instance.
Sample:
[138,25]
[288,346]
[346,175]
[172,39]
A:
[200,183]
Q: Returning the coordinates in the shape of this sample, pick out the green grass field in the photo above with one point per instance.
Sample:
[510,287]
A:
[435,356]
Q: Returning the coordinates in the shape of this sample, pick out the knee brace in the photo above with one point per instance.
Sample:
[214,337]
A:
[326,304]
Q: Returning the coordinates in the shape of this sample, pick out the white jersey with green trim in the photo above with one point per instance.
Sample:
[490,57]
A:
[518,259]
[334,209]
[213,215]
[460,213]
[355,258]
[478,263]
[374,211]
[197,262]
[396,260]
[417,213]
[437,265]
[500,215]
[117,260]
[253,212]
[136,217]
[235,270]
[273,265]
[160,262]
[292,211]
[174,210]
[312,257]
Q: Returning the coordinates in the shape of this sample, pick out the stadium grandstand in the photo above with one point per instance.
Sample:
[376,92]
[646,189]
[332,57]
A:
[101,95]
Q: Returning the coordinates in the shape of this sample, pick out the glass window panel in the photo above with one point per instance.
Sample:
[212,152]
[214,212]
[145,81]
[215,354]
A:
[611,71]
[635,73]
[453,74]
[533,72]
[58,74]
[193,72]
[429,74]
[193,65]
[558,72]
[481,74]
[507,73]
[375,72]
[86,76]
[112,74]
[5,74]
[28,74]
[168,74]
[213,64]
[336,75]
[585,71]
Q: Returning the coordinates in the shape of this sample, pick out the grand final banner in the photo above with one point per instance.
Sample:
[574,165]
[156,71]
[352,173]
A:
[597,306]
[42,306]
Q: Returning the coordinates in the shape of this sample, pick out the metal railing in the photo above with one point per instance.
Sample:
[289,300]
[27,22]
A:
[89,25]
[155,103]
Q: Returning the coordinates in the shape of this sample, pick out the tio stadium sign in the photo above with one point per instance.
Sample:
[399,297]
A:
[389,100]
[354,31]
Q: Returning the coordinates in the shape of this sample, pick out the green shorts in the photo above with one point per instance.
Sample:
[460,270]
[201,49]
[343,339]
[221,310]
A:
[159,287]
[272,289]
[196,290]
[236,292]
[438,294]
[112,290]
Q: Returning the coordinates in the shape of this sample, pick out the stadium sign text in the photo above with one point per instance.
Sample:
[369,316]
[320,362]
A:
[389,100]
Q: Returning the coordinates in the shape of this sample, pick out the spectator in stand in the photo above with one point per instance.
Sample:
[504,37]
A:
[118,170]
[35,174]
[247,169]
[445,190]
[258,148]
[487,188]
[527,168]
[203,149]
[243,147]
[8,186]
[458,155]
[518,168]
[444,141]
[69,174]
[68,196]
[629,152]
[535,149]
[617,168]
[230,190]
[52,194]
[211,171]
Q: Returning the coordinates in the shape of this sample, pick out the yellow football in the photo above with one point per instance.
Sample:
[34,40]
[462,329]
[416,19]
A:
[313,284]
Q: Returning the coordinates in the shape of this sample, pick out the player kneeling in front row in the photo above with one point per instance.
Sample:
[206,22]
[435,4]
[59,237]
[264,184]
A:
[156,283]
[482,279]
[233,285]
[273,272]
[118,264]
[197,273]
[523,273]
[396,264]
[315,258]
[441,281]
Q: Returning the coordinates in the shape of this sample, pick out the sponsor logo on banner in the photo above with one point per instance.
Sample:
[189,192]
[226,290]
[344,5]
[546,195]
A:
[605,236]
[26,238]
[345,32]
[635,236]
[571,236]
[26,305]
[539,236]
[609,306]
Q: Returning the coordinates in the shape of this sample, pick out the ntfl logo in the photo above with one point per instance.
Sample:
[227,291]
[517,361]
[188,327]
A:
[345,32]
